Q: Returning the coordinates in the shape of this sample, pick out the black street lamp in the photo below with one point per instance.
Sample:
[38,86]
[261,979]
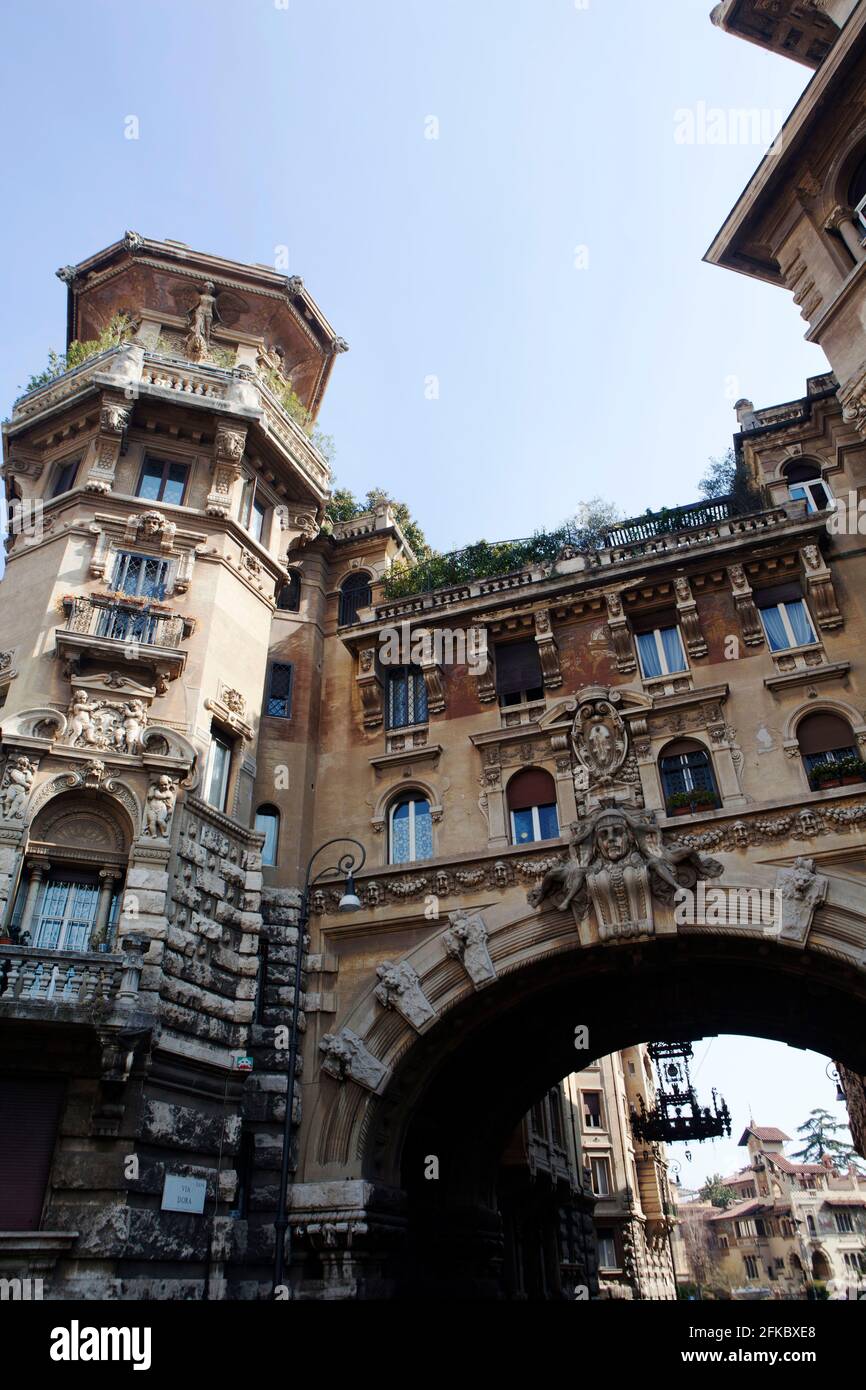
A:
[346,867]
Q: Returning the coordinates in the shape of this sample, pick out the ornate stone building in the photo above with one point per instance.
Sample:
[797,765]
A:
[614,793]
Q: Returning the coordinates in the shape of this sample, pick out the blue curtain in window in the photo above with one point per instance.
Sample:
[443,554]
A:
[775,629]
[673,649]
[649,659]
[799,620]
[423,831]
[400,834]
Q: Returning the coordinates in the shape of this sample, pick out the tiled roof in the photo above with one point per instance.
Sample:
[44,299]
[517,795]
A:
[768,1134]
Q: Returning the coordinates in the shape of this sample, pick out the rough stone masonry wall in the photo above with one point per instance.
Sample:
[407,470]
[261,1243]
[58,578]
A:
[264,1107]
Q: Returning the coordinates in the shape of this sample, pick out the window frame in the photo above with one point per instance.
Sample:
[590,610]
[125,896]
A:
[592,1128]
[655,633]
[603,1163]
[606,1237]
[166,464]
[219,739]
[348,585]
[781,608]
[416,694]
[126,555]
[288,698]
[250,506]
[60,468]
[409,798]
[293,584]
[267,811]
[537,837]
[529,695]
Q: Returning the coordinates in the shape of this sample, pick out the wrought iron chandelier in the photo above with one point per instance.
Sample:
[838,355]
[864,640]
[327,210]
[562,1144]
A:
[676,1115]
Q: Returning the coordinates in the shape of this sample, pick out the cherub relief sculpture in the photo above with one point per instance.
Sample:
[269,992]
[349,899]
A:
[16,788]
[158,808]
[105,724]
[615,868]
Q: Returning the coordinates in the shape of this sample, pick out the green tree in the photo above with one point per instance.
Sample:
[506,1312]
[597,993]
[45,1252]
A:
[345,506]
[819,1135]
[728,476]
[715,1191]
[119,329]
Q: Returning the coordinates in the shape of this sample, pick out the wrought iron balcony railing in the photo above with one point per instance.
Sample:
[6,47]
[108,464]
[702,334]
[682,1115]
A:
[124,622]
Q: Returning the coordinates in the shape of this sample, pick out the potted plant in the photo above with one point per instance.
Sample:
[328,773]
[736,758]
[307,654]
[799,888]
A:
[844,773]
[690,803]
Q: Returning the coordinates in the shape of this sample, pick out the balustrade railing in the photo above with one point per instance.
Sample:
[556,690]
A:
[124,622]
[33,976]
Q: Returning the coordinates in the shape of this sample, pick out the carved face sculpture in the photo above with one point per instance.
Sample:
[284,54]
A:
[613,840]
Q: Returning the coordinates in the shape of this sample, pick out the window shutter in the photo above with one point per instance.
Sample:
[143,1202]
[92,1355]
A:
[647,622]
[782,593]
[534,787]
[29,1114]
[824,733]
[518,668]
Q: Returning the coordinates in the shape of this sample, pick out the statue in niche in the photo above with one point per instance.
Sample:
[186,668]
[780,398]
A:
[158,808]
[615,867]
[16,788]
[201,319]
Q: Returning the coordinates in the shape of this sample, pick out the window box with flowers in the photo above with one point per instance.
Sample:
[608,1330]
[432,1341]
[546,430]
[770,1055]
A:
[844,773]
[693,802]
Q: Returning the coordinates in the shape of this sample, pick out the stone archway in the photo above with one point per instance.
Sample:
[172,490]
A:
[445,1050]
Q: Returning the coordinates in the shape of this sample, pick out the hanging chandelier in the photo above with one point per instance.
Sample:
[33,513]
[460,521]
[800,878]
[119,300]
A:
[676,1114]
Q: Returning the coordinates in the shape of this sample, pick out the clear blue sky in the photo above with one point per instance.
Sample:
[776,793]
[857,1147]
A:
[262,125]
[305,126]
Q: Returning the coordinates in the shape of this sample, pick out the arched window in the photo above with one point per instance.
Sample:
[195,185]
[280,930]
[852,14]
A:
[69,900]
[268,824]
[829,750]
[410,830]
[289,596]
[407,697]
[531,797]
[354,594]
[806,483]
[687,778]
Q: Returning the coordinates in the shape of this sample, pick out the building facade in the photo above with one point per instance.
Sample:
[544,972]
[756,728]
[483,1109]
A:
[613,790]
[792,1231]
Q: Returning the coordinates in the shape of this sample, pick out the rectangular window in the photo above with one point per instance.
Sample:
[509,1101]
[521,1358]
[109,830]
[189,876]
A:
[65,913]
[217,780]
[592,1110]
[554,1101]
[752,1267]
[600,1168]
[606,1248]
[162,481]
[253,509]
[844,1222]
[142,575]
[407,697]
[518,673]
[279,704]
[65,476]
[785,618]
[29,1113]
[534,823]
[661,652]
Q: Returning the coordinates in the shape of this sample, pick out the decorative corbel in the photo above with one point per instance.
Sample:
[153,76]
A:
[229,444]
[690,623]
[750,623]
[114,418]
[485,676]
[820,589]
[370,688]
[300,524]
[620,635]
[548,652]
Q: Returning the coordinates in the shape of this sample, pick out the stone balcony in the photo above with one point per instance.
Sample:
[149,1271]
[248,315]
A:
[69,986]
[701,529]
[139,374]
[105,629]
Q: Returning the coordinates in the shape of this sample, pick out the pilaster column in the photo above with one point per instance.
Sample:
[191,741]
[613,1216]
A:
[843,221]
[36,869]
[107,879]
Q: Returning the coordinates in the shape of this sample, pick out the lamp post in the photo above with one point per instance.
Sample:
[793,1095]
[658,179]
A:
[346,866]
